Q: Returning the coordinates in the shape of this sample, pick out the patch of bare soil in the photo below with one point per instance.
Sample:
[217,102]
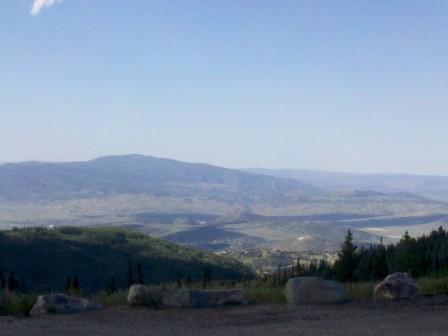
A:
[425,316]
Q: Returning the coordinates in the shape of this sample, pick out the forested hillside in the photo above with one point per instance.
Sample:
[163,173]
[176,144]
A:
[44,259]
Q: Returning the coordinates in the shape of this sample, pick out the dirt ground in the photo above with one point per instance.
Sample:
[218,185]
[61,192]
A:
[426,316]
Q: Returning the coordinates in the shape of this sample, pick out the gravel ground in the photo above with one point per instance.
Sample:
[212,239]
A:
[426,316]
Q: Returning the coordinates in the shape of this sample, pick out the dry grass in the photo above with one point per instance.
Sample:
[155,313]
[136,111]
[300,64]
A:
[433,286]
[360,290]
[265,294]
[111,300]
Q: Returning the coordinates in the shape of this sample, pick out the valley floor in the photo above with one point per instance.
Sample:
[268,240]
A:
[427,316]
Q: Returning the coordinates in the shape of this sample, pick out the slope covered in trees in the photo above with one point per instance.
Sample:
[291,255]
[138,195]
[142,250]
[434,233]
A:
[94,259]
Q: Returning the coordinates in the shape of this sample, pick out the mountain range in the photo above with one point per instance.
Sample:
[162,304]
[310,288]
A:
[426,185]
[139,174]
[220,209]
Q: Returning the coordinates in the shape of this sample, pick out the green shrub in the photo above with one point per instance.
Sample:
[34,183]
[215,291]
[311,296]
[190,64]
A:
[17,304]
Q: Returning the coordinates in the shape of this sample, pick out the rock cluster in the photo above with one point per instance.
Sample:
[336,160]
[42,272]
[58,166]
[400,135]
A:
[152,296]
[314,290]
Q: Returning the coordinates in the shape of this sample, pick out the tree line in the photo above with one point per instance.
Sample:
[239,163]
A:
[423,256]
[74,285]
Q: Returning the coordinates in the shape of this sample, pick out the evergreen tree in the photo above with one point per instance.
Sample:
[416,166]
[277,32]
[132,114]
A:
[324,269]
[298,268]
[140,278]
[13,284]
[76,285]
[2,280]
[111,286]
[23,287]
[380,268]
[278,275]
[178,280]
[364,267]
[347,262]
[130,275]
[68,285]
[405,256]
[206,277]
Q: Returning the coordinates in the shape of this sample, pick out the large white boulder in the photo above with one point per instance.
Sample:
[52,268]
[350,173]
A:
[396,286]
[314,290]
[62,304]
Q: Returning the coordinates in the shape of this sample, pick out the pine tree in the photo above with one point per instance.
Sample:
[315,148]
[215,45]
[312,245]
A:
[206,277]
[140,278]
[380,268]
[347,262]
[111,286]
[76,284]
[278,275]
[2,280]
[178,280]
[130,275]
[23,287]
[12,282]
[68,285]
[298,270]
[405,256]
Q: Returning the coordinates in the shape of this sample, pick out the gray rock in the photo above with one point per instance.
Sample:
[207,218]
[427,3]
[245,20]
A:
[314,290]
[152,296]
[141,295]
[396,286]
[215,298]
[176,298]
[62,304]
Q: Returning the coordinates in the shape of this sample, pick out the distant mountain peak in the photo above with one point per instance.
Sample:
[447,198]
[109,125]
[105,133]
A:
[140,174]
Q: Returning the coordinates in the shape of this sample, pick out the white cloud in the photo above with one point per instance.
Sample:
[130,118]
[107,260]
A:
[39,4]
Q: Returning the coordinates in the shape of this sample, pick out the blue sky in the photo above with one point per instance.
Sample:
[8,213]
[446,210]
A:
[335,85]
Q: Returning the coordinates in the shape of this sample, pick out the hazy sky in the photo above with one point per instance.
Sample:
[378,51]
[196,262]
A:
[335,85]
